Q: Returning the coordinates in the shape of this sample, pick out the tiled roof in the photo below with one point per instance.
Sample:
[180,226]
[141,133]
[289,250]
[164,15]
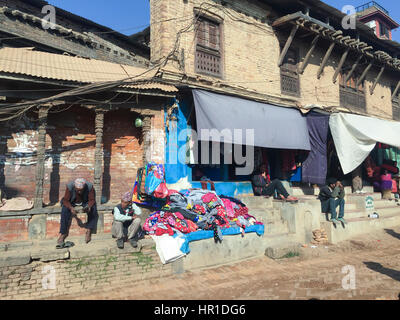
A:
[26,61]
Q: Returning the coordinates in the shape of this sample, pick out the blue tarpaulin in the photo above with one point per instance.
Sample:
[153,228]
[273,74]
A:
[207,234]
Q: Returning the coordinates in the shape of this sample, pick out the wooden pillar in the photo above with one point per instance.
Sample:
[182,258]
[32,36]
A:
[41,157]
[287,45]
[146,129]
[377,80]
[98,157]
[325,60]
[341,63]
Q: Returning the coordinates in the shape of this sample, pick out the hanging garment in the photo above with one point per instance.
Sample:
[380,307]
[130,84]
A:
[356,136]
[315,167]
[386,182]
[288,160]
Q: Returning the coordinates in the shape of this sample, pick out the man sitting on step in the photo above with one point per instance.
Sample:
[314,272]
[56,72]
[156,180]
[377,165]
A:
[331,197]
[263,186]
[78,193]
[126,222]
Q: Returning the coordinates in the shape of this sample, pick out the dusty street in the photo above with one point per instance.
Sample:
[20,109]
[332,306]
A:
[364,268]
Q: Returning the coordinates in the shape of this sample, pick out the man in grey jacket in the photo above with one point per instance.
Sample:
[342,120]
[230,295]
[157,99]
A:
[126,222]
[332,196]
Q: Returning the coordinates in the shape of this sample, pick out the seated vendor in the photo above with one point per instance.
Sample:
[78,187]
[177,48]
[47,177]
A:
[263,186]
[126,222]
[332,196]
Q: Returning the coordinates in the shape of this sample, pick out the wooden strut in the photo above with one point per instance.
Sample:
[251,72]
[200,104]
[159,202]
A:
[41,156]
[353,68]
[377,80]
[363,75]
[396,90]
[341,63]
[98,157]
[308,55]
[287,45]
[325,60]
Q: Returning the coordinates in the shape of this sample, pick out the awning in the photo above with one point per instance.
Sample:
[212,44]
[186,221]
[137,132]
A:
[356,136]
[274,127]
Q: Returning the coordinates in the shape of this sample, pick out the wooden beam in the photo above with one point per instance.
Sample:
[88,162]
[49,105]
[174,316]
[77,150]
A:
[325,60]
[287,45]
[98,156]
[396,90]
[340,65]
[308,55]
[353,68]
[363,75]
[377,80]
[41,157]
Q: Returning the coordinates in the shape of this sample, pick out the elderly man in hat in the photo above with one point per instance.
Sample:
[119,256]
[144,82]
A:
[77,193]
[126,222]
[332,196]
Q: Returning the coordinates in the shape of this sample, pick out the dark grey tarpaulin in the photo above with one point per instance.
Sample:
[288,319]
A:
[315,167]
[274,127]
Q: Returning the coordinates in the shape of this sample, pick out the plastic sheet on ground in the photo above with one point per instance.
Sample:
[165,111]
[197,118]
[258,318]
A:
[207,234]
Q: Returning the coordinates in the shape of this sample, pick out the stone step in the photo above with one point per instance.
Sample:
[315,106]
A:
[275,227]
[269,214]
[355,214]
[301,191]
[256,202]
[354,197]
[358,226]
[385,204]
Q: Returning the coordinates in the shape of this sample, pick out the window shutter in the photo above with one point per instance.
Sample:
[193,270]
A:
[208,50]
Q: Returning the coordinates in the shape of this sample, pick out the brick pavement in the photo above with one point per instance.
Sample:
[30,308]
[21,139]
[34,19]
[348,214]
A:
[316,273]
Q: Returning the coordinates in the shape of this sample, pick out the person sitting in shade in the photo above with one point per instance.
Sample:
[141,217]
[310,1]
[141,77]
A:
[263,186]
[126,222]
[78,193]
[331,197]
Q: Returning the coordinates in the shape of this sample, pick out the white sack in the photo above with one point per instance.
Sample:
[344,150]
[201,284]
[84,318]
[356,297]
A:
[168,248]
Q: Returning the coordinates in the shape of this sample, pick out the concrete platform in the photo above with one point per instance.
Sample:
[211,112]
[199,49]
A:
[358,226]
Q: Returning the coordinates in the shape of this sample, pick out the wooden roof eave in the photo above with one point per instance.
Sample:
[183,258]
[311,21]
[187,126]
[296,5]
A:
[336,36]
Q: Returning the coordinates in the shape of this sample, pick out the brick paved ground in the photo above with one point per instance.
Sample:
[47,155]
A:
[316,273]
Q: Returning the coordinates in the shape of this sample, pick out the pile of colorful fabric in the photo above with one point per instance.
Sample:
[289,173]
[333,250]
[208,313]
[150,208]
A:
[197,214]
[150,187]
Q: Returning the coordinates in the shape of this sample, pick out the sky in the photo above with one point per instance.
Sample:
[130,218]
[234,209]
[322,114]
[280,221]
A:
[131,16]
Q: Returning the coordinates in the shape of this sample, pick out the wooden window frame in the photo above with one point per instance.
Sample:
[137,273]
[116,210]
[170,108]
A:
[349,92]
[209,54]
[290,74]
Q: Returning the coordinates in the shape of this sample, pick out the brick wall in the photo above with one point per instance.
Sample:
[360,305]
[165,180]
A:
[70,148]
[79,275]
[14,229]
[251,52]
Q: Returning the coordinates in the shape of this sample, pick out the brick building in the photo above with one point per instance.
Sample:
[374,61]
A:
[90,134]
[284,53]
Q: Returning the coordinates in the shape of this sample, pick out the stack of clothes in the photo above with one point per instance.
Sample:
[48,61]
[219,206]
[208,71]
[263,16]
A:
[200,214]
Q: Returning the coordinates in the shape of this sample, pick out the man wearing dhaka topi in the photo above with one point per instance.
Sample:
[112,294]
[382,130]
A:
[77,193]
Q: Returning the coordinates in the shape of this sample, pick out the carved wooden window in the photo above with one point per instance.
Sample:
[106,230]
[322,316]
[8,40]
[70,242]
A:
[208,58]
[351,96]
[290,81]
[396,104]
